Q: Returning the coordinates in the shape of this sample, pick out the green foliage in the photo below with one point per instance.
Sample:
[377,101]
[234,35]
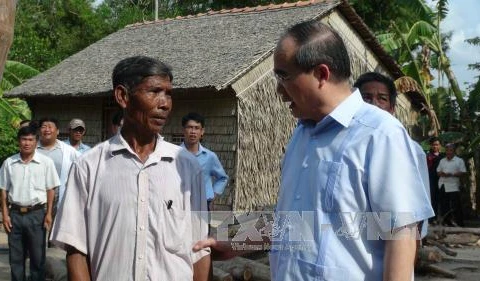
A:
[12,111]
[48,31]
[379,14]
[8,143]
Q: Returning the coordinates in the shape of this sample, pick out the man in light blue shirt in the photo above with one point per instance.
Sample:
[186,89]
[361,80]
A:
[76,130]
[379,90]
[343,165]
[344,210]
[214,175]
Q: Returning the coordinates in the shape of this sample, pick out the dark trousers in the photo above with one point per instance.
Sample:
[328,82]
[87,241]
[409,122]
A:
[210,205]
[27,235]
[451,207]
[434,198]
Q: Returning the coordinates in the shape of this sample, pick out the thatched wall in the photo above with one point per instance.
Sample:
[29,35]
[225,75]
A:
[220,132]
[219,110]
[264,128]
[65,109]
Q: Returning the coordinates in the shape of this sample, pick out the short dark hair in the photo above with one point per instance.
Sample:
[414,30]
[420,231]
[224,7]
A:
[320,44]
[195,117]
[131,71]
[433,139]
[48,119]
[117,118]
[378,77]
[27,131]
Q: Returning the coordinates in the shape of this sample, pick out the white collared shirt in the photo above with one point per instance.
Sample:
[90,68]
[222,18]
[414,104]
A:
[452,166]
[134,220]
[27,183]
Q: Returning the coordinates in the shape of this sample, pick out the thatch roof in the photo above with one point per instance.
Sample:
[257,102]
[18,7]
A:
[408,86]
[206,50]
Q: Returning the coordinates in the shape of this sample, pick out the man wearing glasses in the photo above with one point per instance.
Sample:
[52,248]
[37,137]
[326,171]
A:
[77,130]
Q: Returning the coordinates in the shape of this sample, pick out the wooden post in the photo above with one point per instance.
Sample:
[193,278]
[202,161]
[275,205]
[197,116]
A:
[7,20]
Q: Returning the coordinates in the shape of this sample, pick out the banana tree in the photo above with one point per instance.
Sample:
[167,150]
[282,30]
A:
[14,110]
[404,42]
[417,45]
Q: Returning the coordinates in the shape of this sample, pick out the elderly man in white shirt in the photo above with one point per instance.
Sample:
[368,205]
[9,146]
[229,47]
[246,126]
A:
[450,170]
[135,204]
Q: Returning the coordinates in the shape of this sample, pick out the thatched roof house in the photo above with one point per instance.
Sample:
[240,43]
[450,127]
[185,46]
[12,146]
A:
[222,64]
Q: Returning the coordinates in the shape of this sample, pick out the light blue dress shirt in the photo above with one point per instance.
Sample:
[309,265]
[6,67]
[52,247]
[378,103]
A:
[214,175]
[346,182]
[81,148]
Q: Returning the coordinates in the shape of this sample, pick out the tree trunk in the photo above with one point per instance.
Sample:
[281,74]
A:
[456,91]
[7,20]
[472,178]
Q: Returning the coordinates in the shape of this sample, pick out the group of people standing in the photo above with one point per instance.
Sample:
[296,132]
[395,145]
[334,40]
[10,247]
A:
[33,184]
[445,172]
[135,206]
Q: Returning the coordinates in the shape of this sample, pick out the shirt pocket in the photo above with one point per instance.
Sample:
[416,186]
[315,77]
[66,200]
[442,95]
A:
[175,222]
[328,178]
[37,181]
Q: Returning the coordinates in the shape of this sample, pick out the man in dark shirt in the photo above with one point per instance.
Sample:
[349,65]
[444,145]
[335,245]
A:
[433,159]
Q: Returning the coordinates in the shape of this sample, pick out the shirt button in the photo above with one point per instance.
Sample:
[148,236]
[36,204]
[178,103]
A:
[298,196]
[142,227]
[140,257]
[143,199]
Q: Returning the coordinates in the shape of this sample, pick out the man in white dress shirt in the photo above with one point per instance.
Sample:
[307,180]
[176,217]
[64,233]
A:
[132,207]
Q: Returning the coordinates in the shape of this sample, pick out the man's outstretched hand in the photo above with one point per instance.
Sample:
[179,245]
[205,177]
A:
[221,250]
